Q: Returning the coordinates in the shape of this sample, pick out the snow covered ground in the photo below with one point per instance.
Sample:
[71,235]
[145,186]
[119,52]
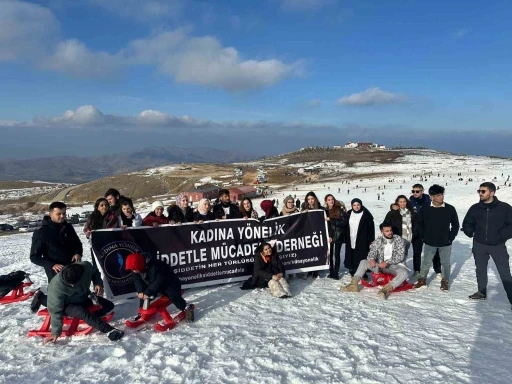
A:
[320,335]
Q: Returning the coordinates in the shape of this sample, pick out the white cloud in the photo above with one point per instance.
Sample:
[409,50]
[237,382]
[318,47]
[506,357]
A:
[143,10]
[203,61]
[72,57]
[302,5]
[372,96]
[461,33]
[314,103]
[85,115]
[26,30]
[30,33]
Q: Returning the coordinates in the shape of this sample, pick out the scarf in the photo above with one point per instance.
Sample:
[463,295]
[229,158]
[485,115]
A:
[406,224]
[289,211]
[200,209]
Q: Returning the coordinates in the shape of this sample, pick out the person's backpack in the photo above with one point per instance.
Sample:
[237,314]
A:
[11,281]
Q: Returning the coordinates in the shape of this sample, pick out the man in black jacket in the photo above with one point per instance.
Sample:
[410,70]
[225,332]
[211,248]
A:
[114,197]
[56,243]
[438,225]
[489,223]
[418,199]
[226,209]
[152,277]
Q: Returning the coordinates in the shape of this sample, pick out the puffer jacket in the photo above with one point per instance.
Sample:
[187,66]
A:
[489,224]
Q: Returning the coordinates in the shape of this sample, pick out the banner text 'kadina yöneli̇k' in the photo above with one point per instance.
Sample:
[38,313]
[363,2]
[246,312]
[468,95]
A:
[213,252]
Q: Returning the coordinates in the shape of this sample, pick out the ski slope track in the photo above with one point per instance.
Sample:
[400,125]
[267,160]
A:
[321,335]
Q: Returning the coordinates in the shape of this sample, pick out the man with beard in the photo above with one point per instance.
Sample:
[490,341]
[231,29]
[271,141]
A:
[226,209]
[489,223]
[56,243]
[387,255]
[418,199]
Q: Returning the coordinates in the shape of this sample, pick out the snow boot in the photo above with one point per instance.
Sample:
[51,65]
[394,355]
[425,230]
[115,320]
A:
[136,318]
[115,334]
[189,313]
[415,275]
[385,291]
[421,283]
[36,302]
[444,285]
[478,296]
[353,286]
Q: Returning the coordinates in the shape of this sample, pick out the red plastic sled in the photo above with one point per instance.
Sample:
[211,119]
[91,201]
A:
[72,326]
[158,306]
[380,279]
[18,294]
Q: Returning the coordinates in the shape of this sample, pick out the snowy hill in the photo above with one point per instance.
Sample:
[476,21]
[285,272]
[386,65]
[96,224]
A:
[320,335]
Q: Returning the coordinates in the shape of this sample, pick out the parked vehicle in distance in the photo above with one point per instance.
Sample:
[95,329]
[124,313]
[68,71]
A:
[6,227]
[31,226]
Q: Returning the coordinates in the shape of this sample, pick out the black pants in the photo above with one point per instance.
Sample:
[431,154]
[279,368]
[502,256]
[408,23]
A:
[335,259]
[91,318]
[173,292]
[499,254]
[417,248]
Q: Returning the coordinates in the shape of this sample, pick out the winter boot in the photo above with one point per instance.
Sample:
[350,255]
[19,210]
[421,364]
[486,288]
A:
[478,296]
[385,291]
[136,318]
[353,286]
[36,302]
[439,276]
[421,283]
[189,313]
[415,275]
[115,334]
[444,285]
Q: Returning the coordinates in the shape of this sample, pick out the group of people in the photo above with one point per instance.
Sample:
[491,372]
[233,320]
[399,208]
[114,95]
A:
[424,221]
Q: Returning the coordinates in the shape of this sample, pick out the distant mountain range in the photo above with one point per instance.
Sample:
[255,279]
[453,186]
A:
[74,169]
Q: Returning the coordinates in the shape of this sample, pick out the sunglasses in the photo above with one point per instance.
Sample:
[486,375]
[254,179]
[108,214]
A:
[481,191]
[416,191]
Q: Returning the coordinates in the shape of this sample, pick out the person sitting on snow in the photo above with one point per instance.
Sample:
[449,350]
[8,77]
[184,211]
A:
[387,254]
[268,272]
[69,295]
[152,277]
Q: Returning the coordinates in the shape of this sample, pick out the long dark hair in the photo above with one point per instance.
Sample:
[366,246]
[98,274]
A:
[317,202]
[97,219]
[408,206]
[242,209]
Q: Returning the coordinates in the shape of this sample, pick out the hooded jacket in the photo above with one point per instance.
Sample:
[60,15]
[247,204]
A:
[60,294]
[153,218]
[54,243]
[489,224]
[155,279]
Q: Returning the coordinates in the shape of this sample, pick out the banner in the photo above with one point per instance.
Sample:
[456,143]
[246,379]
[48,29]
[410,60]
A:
[212,252]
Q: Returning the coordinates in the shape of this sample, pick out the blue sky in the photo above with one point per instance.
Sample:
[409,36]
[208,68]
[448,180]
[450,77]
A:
[290,65]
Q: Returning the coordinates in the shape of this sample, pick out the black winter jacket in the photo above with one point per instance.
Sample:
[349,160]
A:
[438,227]
[489,224]
[54,244]
[234,211]
[395,219]
[208,217]
[156,278]
[176,214]
[263,272]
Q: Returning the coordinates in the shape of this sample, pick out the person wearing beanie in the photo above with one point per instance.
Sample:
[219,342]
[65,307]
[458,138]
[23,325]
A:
[156,217]
[152,277]
[203,212]
[289,206]
[225,209]
[68,295]
[269,209]
[359,235]
[180,212]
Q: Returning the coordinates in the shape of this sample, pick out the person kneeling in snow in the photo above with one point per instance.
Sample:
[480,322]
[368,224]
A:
[268,272]
[387,254]
[69,294]
[152,277]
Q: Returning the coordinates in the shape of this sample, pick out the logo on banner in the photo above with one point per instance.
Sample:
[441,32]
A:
[113,258]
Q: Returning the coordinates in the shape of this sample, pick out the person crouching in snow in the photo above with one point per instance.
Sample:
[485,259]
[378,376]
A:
[387,254]
[156,218]
[152,277]
[69,294]
[269,272]
[128,217]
